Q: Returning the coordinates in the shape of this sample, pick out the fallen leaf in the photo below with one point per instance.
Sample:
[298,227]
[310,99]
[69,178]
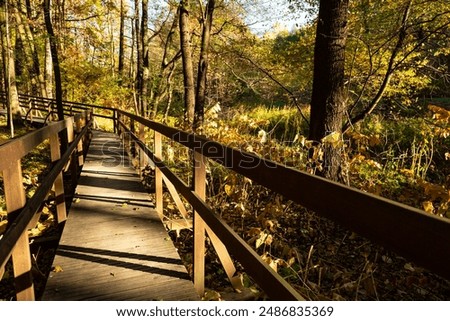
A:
[428,207]
[409,267]
[261,239]
[229,189]
[57,269]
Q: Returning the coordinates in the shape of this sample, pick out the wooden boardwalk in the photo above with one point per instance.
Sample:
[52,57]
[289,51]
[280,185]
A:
[114,245]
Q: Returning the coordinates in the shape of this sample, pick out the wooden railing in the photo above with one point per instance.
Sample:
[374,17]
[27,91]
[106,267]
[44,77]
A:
[412,233]
[23,214]
[41,109]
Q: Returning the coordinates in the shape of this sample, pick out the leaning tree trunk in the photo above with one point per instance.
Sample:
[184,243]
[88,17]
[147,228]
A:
[328,102]
[56,71]
[188,69]
[200,98]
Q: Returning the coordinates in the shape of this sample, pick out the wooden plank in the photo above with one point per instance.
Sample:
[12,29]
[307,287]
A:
[114,245]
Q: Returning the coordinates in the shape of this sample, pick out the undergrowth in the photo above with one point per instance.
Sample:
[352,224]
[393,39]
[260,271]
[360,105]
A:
[403,159]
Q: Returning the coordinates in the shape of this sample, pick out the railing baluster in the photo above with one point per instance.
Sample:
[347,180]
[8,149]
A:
[199,225]
[141,155]
[21,256]
[79,149]
[158,175]
[131,147]
[115,122]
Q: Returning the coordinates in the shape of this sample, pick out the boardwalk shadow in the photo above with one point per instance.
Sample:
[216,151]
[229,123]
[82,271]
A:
[117,200]
[111,183]
[91,255]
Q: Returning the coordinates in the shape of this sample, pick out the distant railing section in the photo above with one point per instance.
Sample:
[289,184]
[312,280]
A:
[23,214]
[41,109]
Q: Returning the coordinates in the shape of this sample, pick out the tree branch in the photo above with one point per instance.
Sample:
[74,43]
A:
[268,74]
[389,71]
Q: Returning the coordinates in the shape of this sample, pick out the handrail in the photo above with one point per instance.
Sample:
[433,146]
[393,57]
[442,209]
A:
[14,242]
[32,103]
[412,233]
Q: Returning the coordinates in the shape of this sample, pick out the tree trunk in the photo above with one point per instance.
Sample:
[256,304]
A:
[56,71]
[169,93]
[188,69]
[200,98]
[121,42]
[328,102]
[13,107]
[48,70]
[164,87]
[145,59]
[27,38]
[139,65]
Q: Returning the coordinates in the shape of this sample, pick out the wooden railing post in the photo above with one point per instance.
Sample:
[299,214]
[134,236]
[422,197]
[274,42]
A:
[199,224]
[79,149]
[115,122]
[58,185]
[21,256]
[158,175]
[73,158]
[130,143]
[141,155]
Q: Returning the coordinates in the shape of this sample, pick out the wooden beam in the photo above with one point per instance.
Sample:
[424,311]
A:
[158,176]
[58,185]
[21,256]
[199,225]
